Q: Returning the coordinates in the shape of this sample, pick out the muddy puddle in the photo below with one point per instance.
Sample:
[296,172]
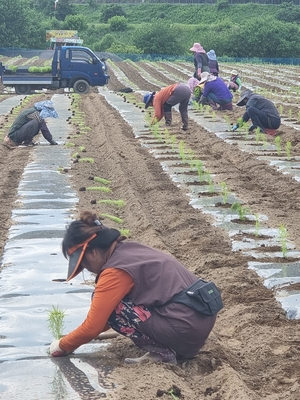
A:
[33,281]
[266,244]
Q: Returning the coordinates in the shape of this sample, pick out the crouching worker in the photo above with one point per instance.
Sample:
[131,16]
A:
[235,83]
[262,112]
[165,99]
[134,287]
[215,92]
[29,123]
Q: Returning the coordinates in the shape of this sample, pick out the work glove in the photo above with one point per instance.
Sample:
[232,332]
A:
[56,351]
[199,72]
[234,128]
[53,142]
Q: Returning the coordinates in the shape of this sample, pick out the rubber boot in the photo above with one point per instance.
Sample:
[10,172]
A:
[185,123]
[168,118]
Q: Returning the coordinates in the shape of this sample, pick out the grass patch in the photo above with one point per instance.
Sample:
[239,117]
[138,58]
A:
[87,159]
[101,180]
[99,188]
[113,218]
[116,203]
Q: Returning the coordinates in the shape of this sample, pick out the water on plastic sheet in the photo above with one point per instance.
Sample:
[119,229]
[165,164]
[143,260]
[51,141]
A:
[33,280]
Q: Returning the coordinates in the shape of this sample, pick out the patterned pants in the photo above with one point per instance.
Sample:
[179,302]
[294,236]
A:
[126,318]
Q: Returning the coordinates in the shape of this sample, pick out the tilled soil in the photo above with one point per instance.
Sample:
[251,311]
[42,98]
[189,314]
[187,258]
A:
[253,351]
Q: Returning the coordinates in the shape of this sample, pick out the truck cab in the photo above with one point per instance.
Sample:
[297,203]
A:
[80,67]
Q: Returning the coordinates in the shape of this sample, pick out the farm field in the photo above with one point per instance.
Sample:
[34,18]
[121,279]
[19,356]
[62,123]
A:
[253,351]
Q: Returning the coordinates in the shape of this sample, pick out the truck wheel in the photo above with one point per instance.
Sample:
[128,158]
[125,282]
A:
[81,87]
[23,89]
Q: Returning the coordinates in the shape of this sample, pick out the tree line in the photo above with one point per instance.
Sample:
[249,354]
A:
[244,30]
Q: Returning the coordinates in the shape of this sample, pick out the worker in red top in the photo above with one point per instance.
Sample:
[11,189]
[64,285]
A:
[133,284]
[165,99]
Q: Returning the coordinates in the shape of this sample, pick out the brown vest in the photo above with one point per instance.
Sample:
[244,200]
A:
[157,276]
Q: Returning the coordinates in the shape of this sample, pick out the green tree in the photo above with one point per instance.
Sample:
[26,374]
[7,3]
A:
[105,43]
[111,11]
[51,8]
[75,22]
[122,48]
[288,12]
[93,4]
[262,37]
[118,23]
[158,38]
[19,25]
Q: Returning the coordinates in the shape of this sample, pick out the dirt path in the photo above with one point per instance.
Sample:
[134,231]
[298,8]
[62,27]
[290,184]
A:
[253,351]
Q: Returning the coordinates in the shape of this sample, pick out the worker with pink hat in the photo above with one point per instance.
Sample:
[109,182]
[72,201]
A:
[200,60]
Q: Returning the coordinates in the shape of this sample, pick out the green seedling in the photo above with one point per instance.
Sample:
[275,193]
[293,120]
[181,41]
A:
[196,105]
[283,235]
[227,119]
[56,321]
[288,147]
[116,203]
[257,135]
[210,182]
[99,189]
[225,192]
[87,159]
[190,154]
[200,169]
[167,135]
[211,185]
[278,144]
[102,180]
[173,142]
[74,155]
[173,391]
[242,211]
[247,134]
[182,150]
[257,225]
[81,148]
[264,140]
[70,144]
[241,123]
[155,130]
[113,218]
[125,232]
[290,113]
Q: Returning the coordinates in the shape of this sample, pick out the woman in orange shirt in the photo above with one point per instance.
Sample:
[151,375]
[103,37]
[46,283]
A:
[165,99]
[133,284]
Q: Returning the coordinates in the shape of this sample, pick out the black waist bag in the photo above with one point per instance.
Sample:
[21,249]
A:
[201,296]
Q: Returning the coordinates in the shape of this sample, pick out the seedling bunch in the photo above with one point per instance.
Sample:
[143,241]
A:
[225,192]
[288,148]
[56,321]
[242,211]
